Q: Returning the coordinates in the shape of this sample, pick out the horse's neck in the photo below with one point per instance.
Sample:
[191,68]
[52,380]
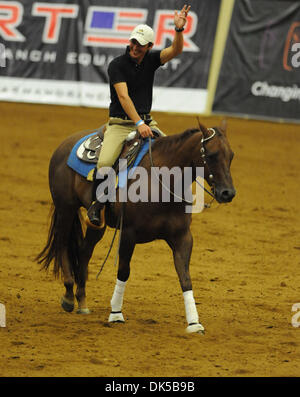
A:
[183,154]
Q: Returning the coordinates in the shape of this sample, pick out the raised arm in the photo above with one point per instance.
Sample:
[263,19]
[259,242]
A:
[177,45]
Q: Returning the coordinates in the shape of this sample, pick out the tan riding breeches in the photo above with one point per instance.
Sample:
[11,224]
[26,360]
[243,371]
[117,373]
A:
[116,132]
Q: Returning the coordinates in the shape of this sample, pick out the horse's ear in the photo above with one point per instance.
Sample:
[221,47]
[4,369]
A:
[202,127]
[224,125]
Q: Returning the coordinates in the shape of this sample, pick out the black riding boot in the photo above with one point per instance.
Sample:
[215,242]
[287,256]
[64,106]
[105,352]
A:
[96,213]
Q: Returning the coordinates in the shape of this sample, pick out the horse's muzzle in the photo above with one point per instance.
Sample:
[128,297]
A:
[224,195]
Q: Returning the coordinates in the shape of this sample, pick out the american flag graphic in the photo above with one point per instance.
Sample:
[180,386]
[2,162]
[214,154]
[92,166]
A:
[111,26]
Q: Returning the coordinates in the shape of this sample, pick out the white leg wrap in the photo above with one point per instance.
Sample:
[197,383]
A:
[190,307]
[117,298]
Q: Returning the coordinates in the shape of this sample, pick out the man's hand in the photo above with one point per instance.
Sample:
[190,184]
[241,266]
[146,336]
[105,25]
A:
[180,19]
[145,131]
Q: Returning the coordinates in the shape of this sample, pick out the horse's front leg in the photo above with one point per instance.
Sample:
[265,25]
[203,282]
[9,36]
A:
[182,249]
[126,250]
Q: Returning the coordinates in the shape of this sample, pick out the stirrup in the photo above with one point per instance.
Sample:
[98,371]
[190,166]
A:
[102,220]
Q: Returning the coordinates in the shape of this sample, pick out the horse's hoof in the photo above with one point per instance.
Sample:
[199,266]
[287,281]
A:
[83,311]
[116,318]
[67,305]
[195,328]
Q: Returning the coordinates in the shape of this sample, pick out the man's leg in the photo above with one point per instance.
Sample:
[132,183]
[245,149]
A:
[114,137]
[95,215]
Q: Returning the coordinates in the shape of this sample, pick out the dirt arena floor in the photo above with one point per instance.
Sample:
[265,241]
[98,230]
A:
[245,265]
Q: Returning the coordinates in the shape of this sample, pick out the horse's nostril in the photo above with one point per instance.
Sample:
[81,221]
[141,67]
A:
[227,194]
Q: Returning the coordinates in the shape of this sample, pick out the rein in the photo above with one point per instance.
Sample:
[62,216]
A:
[119,224]
[202,150]
[157,177]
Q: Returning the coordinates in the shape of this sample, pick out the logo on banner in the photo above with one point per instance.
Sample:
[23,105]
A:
[104,26]
[164,29]
[291,55]
[11,15]
[53,14]
[111,26]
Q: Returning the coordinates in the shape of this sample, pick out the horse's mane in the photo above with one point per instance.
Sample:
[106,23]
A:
[167,142]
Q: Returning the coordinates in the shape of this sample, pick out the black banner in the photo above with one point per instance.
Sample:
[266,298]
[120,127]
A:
[73,41]
[260,73]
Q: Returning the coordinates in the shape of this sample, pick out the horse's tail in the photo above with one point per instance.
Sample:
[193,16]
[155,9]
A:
[64,237]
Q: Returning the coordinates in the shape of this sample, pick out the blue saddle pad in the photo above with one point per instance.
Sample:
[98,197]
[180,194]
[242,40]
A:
[83,168]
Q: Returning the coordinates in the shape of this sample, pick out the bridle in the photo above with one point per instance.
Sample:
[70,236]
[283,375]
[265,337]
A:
[202,151]
[210,175]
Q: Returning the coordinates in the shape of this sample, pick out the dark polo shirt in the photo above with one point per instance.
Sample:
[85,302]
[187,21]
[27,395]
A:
[139,80]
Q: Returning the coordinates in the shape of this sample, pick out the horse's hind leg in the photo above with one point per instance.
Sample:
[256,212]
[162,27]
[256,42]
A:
[86,250]
[182,248]
[66,220]
[67,300]
[125,254]
[56,249]
[70,239]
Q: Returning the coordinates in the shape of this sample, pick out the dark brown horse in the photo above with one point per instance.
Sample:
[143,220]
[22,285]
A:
[71,249]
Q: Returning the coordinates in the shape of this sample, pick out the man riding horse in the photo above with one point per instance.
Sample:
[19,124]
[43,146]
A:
[131,79]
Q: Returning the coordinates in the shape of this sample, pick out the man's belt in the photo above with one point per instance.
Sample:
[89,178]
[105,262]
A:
[144,117]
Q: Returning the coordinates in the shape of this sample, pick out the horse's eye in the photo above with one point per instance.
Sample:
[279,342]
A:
[212,155]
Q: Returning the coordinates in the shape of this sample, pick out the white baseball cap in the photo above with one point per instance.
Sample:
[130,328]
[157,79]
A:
[143,34]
